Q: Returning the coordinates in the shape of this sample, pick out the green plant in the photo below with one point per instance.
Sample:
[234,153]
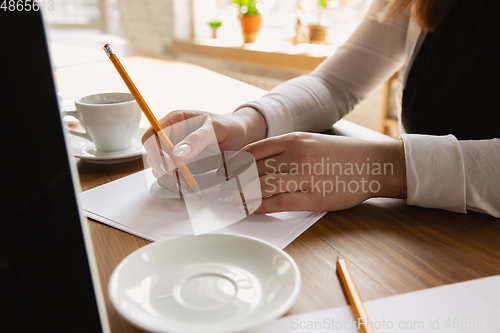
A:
[323,4]
[214,24]
[247,7]
[326,4]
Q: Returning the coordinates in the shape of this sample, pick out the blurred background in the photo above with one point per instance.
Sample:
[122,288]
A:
[294,36]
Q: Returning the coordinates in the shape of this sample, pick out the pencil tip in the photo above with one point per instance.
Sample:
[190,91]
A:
[196,189]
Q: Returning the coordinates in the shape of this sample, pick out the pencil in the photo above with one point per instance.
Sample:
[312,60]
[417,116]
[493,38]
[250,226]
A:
[353,296]
[152,119]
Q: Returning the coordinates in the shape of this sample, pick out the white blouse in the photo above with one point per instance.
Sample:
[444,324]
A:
[442,172]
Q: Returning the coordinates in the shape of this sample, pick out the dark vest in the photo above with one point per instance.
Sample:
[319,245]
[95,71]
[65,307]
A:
[453,86]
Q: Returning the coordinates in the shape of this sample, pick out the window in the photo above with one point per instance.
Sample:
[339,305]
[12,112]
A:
[279,18]
[82,14]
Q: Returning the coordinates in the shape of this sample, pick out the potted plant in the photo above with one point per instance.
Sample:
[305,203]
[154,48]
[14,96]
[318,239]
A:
[250,19]
[311,26]
[214,25]
[317,31]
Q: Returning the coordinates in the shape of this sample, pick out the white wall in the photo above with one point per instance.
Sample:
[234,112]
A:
[148,24]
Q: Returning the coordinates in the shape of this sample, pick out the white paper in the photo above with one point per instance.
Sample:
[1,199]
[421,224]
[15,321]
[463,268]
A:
[128,205]
[472,306]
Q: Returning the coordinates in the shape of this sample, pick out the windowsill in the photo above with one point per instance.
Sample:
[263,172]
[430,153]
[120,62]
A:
[276,53]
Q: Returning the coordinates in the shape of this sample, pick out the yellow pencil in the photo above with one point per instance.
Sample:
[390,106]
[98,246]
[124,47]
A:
[152,120]
[353,297]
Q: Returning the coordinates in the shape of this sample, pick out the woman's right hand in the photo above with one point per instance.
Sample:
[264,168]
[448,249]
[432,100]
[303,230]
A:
[196,135]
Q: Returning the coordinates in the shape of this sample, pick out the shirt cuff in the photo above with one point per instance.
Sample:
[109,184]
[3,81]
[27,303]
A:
[434,172]
[278,118]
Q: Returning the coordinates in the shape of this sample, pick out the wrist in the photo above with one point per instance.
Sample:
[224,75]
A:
[253,122]
[393,181]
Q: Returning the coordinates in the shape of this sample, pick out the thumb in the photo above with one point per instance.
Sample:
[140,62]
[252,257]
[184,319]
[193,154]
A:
[195,142]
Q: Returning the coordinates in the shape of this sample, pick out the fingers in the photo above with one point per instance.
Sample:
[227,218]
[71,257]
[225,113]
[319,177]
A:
[177,125]
[158,159]
[172,118]
[163,166]
[277,165]
[265,152]
[235,164]
[177,116]
[196,141]
[275,184]
[286,202]
[277,187]
[284,183]
[172,183]
[182,124]
[240,161]
[266,148]
[164,181]
[150,132]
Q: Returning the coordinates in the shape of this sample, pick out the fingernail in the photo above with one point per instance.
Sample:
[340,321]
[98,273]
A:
[227,199]
[166,169]
[182,150]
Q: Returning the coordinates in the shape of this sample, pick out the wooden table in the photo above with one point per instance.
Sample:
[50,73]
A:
[391,248]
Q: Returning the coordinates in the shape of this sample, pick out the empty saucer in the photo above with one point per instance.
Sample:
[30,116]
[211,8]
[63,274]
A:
[85,150]
[209,283]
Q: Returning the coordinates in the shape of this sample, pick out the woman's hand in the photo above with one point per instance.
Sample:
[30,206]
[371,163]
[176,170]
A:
[315,172]
[192,133]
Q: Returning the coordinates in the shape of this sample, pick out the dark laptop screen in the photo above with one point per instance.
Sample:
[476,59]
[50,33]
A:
[45,280]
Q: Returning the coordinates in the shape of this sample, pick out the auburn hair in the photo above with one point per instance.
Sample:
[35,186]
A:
[429,13]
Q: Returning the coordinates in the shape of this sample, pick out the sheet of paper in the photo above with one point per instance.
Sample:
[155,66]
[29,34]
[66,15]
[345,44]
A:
[466,307]
[127,204]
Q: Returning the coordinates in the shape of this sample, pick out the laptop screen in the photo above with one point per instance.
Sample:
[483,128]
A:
[45,275]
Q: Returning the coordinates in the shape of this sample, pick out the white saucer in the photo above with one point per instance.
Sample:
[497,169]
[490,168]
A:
[209,283]
[85,150]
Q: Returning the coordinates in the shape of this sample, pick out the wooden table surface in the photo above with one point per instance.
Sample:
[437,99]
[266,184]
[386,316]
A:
[390,247]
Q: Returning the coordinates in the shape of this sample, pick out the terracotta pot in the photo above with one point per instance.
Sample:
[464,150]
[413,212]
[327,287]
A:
[250,26]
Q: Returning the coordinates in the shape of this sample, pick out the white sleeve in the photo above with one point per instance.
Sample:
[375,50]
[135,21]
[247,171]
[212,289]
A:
[315,101]
[442,172]
[482,175]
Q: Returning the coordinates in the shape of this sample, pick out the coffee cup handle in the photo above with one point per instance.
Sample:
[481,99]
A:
[80,134]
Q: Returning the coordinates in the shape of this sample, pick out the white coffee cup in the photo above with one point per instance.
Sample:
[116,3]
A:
[110,120]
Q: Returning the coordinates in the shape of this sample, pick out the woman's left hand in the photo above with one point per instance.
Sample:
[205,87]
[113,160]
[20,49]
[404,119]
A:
[316,172]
